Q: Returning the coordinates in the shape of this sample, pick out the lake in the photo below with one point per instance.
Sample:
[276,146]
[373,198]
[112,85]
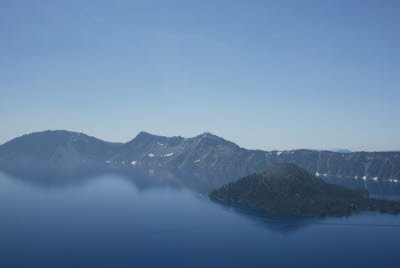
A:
[111,221]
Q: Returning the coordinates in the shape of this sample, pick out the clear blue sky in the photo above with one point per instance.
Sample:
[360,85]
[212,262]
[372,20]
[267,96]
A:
[264,74]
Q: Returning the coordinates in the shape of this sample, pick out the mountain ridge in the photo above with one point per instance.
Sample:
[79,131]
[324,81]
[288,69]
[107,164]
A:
[200,156]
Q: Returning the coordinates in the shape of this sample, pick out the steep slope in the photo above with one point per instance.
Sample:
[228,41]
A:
[289,189]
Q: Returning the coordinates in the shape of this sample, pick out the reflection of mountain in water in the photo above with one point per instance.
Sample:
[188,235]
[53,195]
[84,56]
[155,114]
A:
[291,224]
[142,178]
[277,223]
[146,180]
[151,179]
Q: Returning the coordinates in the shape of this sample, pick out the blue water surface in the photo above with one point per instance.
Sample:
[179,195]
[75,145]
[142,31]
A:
[109,221]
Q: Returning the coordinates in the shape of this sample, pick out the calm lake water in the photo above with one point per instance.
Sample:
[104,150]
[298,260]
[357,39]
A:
[109,221]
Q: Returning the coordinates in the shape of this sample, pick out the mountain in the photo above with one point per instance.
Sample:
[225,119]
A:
[205,161]
[56,150]
[289,189]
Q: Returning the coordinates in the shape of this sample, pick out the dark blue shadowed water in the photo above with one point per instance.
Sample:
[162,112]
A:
[110,222]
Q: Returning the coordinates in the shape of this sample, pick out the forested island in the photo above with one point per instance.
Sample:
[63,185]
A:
[289,189]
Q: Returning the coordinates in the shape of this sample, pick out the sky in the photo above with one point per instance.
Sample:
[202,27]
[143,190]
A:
[263,74]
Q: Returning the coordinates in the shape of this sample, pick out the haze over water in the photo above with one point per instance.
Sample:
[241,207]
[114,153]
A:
[108,221]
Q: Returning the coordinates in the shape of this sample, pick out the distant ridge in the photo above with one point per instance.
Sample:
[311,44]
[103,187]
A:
[207,157]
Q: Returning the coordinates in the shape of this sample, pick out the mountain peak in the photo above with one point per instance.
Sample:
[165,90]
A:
[210,139]
[144,134]
[208,134]
[46,136]
[142,137]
